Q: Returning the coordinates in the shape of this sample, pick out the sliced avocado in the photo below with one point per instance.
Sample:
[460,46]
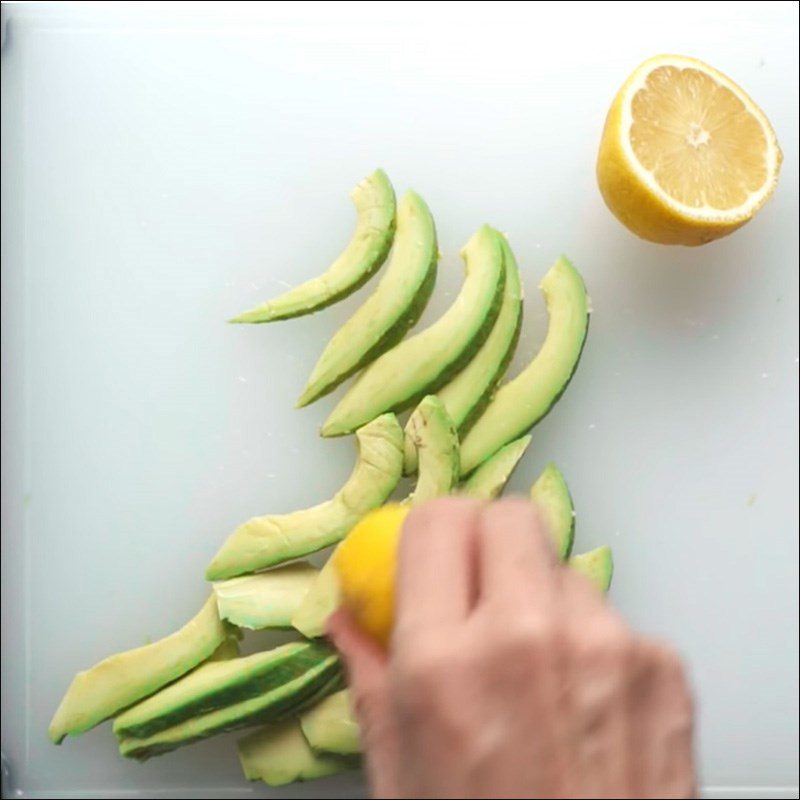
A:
[468,393]
[122,679]
[331,727]
[375,205]
[489,479]
[220,684]
[321,600]
[597,565]
[391,310]
[267,599]
[227,650]
[522,402]
[279,754]
[285,701]
[269,540]
[552,497]
[421,364]
[435,440]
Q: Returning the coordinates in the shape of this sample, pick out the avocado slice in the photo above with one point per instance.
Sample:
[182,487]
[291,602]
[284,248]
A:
[321,600]
[552,497]
[489,479]
[375,205]
[420,365]
[282,702]
[597,565]
[522,402]
[120,680]
[221,684]
[435,436]
[266,599]
[227,650]
[391,310]
[331,727]
[435,440]
[269,540]
[279,754]
[468,393]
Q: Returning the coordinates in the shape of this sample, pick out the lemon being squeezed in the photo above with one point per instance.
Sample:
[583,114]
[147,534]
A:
[366,563]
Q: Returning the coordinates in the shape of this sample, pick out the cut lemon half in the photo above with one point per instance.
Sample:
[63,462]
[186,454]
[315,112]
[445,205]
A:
[686,156]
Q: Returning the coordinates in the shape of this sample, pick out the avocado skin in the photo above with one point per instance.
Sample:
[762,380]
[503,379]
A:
[281,703]
[255,675]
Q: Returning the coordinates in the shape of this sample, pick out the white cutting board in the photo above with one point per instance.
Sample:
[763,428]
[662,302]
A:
[165,169]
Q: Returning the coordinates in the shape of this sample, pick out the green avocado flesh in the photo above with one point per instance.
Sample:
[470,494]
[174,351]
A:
[122,679]
[269,540]
[218,685]
[320,602]
[419,365]
[435,441]
[467,394]
[597,565]
[391,310]
[267,599]
[522,402]
[489,479]
[285,700]
[279,754]
[375,205]
[331,727]
[552,498]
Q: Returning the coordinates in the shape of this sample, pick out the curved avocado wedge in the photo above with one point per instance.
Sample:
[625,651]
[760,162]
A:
[122,679]
[269,540]
[468,393]
[391,310]
[375,205]
[552,498]
[489,479]
[597,565]
[267,599]
[435,436]
[421,364]
[435,440]
[286,700]
[321,600]
[331,727]
[522,402]
[279,754]
[220,684]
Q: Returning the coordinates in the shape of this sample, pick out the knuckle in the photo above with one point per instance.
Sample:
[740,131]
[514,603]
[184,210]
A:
[530,637]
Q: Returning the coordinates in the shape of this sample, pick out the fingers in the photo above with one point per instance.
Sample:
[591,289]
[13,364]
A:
[368,678]
[436,569]
[662,724]
[516,562]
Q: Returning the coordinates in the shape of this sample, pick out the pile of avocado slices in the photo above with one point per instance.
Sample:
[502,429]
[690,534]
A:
[466,433]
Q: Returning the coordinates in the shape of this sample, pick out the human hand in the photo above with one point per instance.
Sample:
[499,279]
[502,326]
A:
[509,675]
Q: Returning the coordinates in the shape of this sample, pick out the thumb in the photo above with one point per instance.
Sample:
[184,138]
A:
[368,676]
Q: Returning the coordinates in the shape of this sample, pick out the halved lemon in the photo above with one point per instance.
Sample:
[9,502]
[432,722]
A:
[686,156]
